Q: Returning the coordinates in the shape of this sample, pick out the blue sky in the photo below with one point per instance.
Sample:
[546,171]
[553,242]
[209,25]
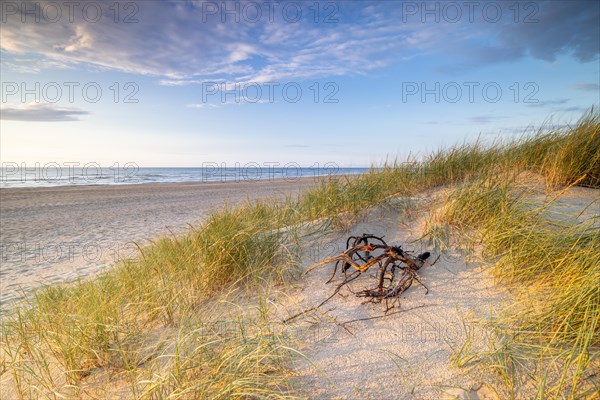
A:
[182,83]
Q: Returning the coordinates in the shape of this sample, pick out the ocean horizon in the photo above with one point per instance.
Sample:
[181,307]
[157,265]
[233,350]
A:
[42,176]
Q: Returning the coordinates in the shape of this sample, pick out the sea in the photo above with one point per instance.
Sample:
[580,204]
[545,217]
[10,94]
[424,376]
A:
[13,175]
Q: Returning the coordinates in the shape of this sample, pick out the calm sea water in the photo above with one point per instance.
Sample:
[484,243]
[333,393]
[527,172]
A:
[20,176]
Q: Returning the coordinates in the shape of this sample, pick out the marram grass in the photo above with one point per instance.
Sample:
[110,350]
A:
[552,263]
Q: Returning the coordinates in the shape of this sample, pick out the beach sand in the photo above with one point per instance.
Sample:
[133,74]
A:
[412,354]
[407,355]
[51,235]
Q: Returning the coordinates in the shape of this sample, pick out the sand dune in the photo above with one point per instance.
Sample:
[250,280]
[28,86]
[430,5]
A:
[409,354]
[406,355]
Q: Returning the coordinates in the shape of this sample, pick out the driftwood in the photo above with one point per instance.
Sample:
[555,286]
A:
[397,269]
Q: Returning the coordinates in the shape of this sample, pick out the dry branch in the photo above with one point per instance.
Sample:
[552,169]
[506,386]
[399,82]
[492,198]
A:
[397,269]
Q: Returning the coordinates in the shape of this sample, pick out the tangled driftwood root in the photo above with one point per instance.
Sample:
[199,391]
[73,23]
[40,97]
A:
[398,269]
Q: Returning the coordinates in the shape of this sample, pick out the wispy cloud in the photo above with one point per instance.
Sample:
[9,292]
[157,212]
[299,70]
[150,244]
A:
[485,119]
[548,103]
[225,103]
[31,65]
[189,47]
[203,106]
[591,87]
[41,112]
[182,44]
[574,109]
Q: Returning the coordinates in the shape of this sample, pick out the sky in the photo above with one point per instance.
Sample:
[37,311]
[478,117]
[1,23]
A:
[177,83]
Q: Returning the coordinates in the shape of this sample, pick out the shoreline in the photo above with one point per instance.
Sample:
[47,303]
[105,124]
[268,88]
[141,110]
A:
[58,234]
[163,177]
[187,183]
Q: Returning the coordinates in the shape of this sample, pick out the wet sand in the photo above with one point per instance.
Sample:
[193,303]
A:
[50,235]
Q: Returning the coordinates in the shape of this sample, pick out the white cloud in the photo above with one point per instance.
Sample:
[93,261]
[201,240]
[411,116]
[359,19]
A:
[41,112]
[203,105]
[592,87]
[31,65]
[175,40]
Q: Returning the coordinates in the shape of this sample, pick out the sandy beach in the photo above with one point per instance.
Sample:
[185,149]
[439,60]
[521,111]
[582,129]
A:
[51,235]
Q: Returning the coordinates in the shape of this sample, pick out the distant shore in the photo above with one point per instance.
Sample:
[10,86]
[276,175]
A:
[38,176]
[56,234]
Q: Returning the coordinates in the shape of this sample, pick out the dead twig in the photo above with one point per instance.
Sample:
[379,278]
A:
[385,315]
[398,270]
